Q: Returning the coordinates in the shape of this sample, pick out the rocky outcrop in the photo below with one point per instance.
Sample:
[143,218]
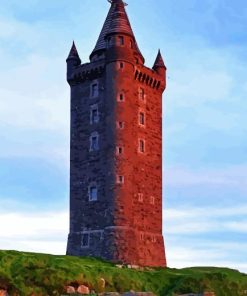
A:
[3,292]
[83,290]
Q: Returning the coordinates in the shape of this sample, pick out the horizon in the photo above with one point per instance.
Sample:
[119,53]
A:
[204,122]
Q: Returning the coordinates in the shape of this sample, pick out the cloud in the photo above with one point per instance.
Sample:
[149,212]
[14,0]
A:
[181,255]
[38,232]
[229,176]
[47,232]
[195,220]
[206,236]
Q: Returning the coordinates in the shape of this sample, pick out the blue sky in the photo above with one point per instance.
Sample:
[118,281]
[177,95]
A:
[204,121]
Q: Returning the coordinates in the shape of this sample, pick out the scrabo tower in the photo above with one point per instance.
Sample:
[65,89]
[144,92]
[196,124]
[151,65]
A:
[116,149]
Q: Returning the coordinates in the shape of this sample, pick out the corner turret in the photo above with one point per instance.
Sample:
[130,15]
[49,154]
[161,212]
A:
[159,65]
[73,60]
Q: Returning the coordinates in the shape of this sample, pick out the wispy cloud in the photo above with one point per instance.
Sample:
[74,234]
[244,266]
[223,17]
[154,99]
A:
[228,176]
[39,232]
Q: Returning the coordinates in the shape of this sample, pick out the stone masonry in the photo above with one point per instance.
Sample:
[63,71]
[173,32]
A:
[116,149]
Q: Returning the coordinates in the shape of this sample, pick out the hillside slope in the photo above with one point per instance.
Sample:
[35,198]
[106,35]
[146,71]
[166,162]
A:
[40,274]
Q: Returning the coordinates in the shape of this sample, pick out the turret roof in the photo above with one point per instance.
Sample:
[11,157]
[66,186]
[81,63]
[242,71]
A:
[159,62]
[73,52]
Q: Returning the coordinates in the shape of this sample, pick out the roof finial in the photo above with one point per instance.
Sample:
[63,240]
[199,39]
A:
[117,1]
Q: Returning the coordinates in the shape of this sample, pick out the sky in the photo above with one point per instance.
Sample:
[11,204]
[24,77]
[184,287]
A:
[204,45]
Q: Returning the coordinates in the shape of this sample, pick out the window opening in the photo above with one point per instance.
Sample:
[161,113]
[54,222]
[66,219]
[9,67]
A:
[142,146]
[119,150]
[94,145]
[93,193]
[141,93]
[121,97]
[120,124]
[142,118]
[94,115]
[120,179]
[140,197]
[85,240]
[121,40]
[94,90]
[142,236]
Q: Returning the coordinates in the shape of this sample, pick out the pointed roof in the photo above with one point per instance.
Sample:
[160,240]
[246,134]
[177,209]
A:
[73,54]
[159,62]
[117,21]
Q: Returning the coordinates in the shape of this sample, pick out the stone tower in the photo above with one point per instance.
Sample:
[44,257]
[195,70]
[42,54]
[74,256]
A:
[116,148]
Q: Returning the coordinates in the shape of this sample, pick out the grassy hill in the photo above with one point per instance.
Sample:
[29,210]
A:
[40,274]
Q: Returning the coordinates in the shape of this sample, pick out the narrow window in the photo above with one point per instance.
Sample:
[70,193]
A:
[141,146]
[142,237]
[140,197]
[152,200]
[153,238]
[141,93]
[94,115]
[121,40]
[85,240]
[94,90]
[120,124]
[121,65]
[142,118]
[93,192]
[120,179]
[119,150]
[137,61]
[121,97]
[94,141]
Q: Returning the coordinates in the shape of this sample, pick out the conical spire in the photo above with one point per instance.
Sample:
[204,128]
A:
[117,21]
[159,62]
[73,54]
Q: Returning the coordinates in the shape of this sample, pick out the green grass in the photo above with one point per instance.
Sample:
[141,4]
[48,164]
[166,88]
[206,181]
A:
[27,273]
